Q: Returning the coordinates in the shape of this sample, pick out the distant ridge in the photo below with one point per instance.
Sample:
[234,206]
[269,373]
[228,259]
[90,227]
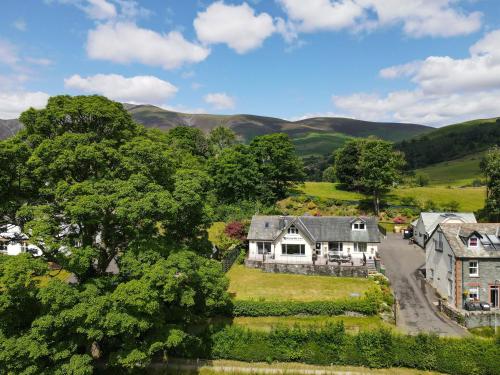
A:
[313,136]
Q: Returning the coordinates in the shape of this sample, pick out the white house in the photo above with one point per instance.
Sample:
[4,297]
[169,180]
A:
[14,242]
[428,221]
[463,262]
[311,239]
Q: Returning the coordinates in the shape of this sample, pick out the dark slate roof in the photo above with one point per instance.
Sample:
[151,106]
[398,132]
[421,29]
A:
[457,235]
[316,228]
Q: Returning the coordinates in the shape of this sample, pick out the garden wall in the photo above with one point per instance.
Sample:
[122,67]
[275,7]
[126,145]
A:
[309,269]
[470,319]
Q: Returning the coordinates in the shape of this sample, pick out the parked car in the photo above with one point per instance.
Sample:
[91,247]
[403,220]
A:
[407,233]
[485,306]
[472,306]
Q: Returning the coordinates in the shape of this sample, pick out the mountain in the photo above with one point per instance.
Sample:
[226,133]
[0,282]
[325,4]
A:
[314,136]
[451,142]
[8,128]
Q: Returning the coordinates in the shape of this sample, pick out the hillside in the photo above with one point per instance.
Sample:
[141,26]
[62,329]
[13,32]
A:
[8,128]
[314,136]
[451,142]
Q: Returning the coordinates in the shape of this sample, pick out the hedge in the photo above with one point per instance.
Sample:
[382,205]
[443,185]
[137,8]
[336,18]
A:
[374,349]
[367,306]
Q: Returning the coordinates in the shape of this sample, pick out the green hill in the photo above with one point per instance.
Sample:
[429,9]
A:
[451,142]
[458,172]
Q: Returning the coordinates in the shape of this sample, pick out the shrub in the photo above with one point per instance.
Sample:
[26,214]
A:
[236,230]
[368,305]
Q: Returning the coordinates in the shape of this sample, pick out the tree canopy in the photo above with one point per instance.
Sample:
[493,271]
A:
[490,166]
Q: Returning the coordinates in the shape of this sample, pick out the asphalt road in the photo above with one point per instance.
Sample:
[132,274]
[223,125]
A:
[417,312]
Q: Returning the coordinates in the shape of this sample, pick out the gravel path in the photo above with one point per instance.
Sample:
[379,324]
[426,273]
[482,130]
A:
[417,311]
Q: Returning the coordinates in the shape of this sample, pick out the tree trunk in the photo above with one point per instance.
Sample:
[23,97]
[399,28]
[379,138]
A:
[376,202]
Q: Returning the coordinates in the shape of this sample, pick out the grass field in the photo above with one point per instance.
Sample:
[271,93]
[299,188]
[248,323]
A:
[352,324]
[469,199]
[248,283]
[457,172]
[183,367]
[319,143]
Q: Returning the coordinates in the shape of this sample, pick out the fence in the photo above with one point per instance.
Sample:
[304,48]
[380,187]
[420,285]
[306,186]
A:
[230,258]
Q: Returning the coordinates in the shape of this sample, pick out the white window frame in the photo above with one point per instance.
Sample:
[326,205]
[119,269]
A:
[261,245]
[357,247]
[3,246]
[24,247]
[477,242]
[359,225]
[293,230]
[474,291]
[476,267]
[302,249]
[336,246]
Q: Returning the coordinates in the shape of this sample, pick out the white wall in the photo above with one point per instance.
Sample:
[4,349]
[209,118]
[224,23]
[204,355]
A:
[437,268]
[420,232]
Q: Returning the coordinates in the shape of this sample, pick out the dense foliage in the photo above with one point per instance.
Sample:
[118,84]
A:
[450,142]
[490,166]
[375,349]
[369,165]
[125,211]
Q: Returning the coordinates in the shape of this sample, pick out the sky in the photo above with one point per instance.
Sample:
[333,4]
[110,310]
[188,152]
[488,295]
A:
[432,62]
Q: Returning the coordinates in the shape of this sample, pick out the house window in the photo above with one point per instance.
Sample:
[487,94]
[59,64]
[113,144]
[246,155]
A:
[293,249]
[263,247]
[360,246]
[474,268]
[335,246]
[473,242]
[474,294]
[24,247]
[358,226]
[293,230]
[3,246]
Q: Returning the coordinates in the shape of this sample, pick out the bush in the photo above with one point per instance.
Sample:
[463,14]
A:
[369,306]
[376,349]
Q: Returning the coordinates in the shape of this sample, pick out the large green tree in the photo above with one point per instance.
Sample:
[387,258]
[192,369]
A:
[278,163]
[235,175]
[380,168]
[490,166]
[123,210]
[221,137]
[346,163]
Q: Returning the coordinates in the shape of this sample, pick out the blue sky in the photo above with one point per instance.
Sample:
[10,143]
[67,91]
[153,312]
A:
[433,62]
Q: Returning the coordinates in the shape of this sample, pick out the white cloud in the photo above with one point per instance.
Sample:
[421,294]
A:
[20,25]
[39,61]
[219,100]
[99,9]
[235,25]
[13,103]
[437,18]
[315,15]
[447,89]
[125,42]
[138,89]
[8,53]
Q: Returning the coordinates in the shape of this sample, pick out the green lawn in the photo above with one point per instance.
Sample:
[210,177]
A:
[470,198]
[329,190]
[248,283]
[457,172]
[352,324]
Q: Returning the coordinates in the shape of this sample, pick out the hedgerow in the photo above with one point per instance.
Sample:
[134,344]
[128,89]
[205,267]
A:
[374,349]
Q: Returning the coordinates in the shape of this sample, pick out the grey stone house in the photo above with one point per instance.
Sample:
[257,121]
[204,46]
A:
[463,262]
[428,221]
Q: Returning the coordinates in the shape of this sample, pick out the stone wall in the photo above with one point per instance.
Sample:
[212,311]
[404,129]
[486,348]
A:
[470,319]
[309,269]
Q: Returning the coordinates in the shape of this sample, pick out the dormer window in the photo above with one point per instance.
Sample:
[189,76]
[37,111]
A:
[358,226]
[473,242]
[293,230]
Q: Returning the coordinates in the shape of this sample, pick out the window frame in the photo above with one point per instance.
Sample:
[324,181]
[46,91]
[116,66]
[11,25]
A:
[261,245]
[4,246]
[284,249]
[359,225]
[293,230]
[475,239]
[339,246]
[476,267]
[476,289]
[357,247]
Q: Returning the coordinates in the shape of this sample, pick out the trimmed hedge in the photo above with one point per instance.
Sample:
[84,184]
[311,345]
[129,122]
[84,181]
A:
[374,349]
[367,306]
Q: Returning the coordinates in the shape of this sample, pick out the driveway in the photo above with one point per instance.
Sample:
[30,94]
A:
[417,312]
